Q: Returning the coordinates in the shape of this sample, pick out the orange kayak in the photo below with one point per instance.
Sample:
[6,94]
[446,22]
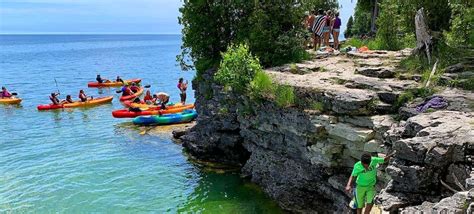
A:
[10,100]
[111,84]
[77,104]
[125,113]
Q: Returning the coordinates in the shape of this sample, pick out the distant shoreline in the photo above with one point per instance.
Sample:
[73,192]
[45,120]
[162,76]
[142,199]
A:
[90,34]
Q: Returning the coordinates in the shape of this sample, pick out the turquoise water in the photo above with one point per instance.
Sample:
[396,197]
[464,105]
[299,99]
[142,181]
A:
[83,160]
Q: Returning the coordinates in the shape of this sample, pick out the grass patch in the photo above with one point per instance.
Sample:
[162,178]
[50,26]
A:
[319,106]
[293,68]
[262,86]
[409,95]
[466,84]
[285,96]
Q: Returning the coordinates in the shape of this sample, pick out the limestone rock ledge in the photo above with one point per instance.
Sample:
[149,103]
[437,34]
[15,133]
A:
[302,156]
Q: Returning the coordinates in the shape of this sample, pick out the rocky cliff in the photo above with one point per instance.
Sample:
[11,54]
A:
[346,105]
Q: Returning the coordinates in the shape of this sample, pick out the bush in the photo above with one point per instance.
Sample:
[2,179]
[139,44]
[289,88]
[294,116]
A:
[237,68]
[285,96]
[262,86]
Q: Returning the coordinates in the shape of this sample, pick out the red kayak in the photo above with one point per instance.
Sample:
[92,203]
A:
[112,84]
[125,113]
[133,96]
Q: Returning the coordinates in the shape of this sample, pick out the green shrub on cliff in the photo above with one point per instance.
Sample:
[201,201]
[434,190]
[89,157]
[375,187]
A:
[262,86]
[237,68]
[285,96]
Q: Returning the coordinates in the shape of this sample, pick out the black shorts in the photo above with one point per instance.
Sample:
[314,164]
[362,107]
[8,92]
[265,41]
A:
[183,97]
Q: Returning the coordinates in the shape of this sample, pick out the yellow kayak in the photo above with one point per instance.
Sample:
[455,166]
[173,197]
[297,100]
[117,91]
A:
[93,102]
[10,100]
[112,84]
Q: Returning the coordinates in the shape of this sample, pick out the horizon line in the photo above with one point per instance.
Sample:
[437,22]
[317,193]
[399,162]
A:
[87,33]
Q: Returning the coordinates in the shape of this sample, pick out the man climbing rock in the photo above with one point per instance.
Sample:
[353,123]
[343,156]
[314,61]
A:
[365,174]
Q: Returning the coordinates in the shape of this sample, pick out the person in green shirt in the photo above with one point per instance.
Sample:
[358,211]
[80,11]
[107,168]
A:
[365,175]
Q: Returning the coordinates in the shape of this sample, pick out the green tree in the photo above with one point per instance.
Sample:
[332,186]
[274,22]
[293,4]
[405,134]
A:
[462,24]
[362,18]
[348,31]
[272,29]
[387,24]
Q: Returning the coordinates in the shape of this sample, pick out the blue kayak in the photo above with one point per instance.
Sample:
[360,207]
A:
[183,117]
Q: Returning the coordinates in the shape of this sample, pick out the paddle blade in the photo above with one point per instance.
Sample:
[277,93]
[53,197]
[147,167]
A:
[147,86]
[15,94]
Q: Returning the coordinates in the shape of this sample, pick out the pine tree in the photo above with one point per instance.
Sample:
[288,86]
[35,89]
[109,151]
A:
[348,31]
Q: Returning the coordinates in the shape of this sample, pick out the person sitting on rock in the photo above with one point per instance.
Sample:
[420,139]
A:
[365,175]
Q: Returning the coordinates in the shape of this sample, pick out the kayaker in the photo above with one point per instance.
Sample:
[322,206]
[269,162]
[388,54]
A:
[83,96]
[54,98]
[365,176]
[100,80]
[134,88]
[182,89]
[5,93]
[68,99]
[162,98]
[126,91]
[148,98]
[119,80]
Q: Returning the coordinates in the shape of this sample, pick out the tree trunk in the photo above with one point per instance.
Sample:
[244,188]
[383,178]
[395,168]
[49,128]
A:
[423,37]
[375,13]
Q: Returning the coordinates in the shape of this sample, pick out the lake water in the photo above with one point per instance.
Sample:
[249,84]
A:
[84,160]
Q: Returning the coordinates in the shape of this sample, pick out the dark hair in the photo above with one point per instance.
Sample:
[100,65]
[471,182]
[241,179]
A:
[81,91]
[3,87]
[68,96]
[366,158]
[180,80]
[337,14]
[320,12]
[53,94]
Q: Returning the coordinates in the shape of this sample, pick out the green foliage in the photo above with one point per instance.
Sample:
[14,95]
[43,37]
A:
[349,31]
[237,68]
[273,30]
[362,17]
[408,41]
[462,21]
[387,24]
[466,84]
[405,97]
[319,106]
[411,94]
[262,86]
[285,96]
[293,68]
[370,43]
[308,5]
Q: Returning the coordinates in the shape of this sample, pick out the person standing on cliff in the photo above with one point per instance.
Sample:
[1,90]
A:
[365,175]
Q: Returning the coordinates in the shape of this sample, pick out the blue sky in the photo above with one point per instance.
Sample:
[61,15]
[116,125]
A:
[89,16]
[99,16]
